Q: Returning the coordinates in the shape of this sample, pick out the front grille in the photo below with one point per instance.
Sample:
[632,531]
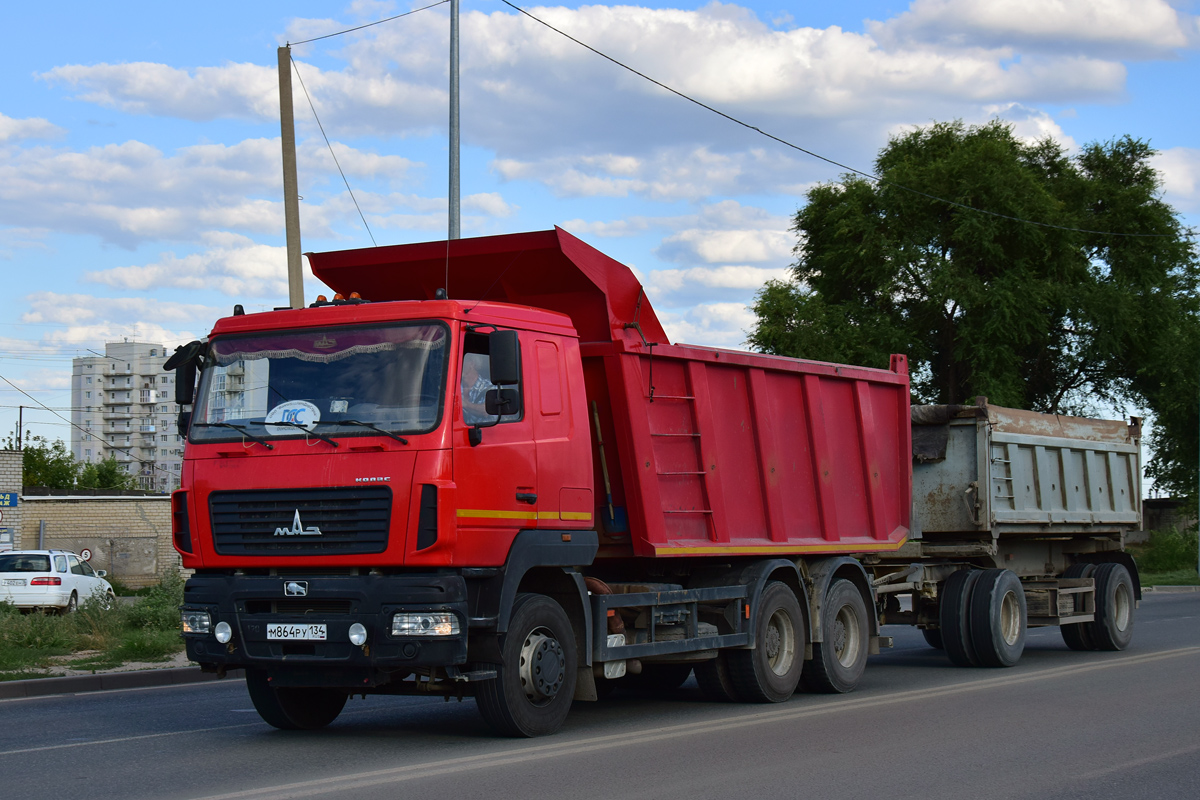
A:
[350,521]
[298,605]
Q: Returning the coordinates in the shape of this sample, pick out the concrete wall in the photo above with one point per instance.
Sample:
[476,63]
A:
[128,536]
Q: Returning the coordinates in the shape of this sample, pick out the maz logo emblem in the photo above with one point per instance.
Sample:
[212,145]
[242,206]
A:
[296,588]
[298,528]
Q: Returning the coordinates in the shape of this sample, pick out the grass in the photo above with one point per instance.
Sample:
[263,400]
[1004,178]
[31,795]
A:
[1167,559]
[107,635]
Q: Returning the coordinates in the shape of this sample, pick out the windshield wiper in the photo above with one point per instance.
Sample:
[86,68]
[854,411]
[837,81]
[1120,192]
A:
[239,428]
[362,424]
[306,430]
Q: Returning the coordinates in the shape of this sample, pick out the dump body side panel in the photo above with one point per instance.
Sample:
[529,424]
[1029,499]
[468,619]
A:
[1020,472]
[723,452]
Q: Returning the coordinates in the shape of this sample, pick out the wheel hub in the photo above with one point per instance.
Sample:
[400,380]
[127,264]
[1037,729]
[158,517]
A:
[543,666]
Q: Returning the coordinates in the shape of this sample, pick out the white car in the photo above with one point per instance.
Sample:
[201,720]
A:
[49,579]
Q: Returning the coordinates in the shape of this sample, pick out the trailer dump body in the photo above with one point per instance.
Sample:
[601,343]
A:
[707,451]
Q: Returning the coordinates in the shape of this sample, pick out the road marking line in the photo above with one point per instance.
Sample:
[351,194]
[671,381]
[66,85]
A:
[1137,762]
[610,741]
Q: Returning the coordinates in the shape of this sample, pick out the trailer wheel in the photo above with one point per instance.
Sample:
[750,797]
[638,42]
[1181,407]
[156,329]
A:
[1078,635]
[715,680]
[933,638]
[770,672]
[293,709]
[998,618]
[954,616]
[838,662]
[535,682]
[1113,627]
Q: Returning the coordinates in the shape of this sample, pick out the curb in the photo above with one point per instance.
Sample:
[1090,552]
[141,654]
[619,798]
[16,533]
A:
[141,679]
[1171,589]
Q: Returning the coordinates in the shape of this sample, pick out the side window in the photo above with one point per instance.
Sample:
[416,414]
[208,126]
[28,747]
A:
[60,563]
[87,569]
[75,568]
[476,382]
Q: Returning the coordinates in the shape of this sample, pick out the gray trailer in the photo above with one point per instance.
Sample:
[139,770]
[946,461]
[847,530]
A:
[1019,520]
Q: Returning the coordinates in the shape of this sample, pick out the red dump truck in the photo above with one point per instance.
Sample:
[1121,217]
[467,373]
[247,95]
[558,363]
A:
[483,470]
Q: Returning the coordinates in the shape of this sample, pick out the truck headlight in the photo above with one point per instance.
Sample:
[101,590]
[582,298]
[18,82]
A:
[195,621]
[223,632]
[425,624]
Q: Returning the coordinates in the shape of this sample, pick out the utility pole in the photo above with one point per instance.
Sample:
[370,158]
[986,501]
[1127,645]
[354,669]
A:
[455,202]
[291,191]
[20,422]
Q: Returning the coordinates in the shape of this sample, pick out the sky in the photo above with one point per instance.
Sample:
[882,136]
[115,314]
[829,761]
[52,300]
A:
[140,177]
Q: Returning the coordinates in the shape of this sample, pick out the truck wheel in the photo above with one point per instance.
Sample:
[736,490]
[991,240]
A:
[535,682]
[770,672]
[954,617]
[293,709]
[933,638]
[715,680]
[998,618]
[838,662]
[659,677]
[1078,635]
[1113,627]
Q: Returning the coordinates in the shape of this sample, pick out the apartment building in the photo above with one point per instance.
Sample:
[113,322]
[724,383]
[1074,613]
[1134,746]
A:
[123,405]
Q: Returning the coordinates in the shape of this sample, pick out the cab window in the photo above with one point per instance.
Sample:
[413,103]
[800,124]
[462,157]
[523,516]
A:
[476,382]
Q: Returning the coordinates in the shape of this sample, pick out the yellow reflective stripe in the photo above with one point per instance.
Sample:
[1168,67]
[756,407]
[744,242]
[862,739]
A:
[584,516]
[486,513]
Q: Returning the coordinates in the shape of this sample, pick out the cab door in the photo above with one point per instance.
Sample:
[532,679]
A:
[496,492]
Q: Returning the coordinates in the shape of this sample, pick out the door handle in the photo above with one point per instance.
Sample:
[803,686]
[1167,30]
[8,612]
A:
[526,497]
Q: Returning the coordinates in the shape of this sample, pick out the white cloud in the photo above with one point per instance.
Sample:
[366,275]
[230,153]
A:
[89,320]
[1144,28]
[677,287]
[489,203]
[30,128]
[712,324]
[1179,168]
[234,265]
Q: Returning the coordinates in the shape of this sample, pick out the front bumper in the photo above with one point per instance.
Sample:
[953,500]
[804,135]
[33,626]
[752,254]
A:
[249,603]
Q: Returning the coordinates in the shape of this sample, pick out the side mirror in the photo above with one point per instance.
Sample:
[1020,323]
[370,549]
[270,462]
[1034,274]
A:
[185,383]
[504,358]
[101,573]
[502,402]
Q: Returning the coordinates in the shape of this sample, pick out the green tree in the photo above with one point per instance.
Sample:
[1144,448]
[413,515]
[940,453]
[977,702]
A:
[49,464]
[1031,316]
[106,474]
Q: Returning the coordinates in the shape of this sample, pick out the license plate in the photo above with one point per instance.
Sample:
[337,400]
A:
[303,632]
[14,581]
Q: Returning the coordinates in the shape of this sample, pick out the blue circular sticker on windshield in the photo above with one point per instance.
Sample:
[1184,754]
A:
[292,416]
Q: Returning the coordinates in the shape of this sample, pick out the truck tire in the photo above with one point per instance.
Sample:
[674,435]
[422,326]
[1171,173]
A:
[293,709]
[715,680]
[955,618]
[838,662]
[933,638]
[1078,635]
[998,618]
[771,671]
[531,693]
[1113,626]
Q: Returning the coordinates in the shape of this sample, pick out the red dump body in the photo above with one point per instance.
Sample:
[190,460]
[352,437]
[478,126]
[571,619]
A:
[707,451]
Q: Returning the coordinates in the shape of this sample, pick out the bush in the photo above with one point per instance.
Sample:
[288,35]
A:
[1168,550]
[38,632]
[158,609]
[100,622]
[148,645]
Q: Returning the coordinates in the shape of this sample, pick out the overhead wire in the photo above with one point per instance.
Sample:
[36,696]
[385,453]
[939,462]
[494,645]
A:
[330,146]
[848,168]
[369,24]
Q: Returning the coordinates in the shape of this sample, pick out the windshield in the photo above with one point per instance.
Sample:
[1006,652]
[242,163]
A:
[327,381]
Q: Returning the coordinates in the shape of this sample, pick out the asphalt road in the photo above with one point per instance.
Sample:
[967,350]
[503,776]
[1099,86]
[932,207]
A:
[1060,724]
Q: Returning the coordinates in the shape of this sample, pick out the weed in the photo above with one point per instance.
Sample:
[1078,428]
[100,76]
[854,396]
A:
[148,645]
[158,610]
[38,632]
[1167,551]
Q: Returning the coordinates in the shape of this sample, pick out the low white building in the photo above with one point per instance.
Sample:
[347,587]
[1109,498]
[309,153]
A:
[123,405]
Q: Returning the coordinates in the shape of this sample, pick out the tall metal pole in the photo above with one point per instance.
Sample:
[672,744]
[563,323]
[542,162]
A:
[20,422]
[455,202]
[291,190]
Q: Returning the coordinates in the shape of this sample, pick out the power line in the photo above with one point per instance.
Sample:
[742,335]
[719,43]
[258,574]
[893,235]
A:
[786,143]
[330,146]
[369,24]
